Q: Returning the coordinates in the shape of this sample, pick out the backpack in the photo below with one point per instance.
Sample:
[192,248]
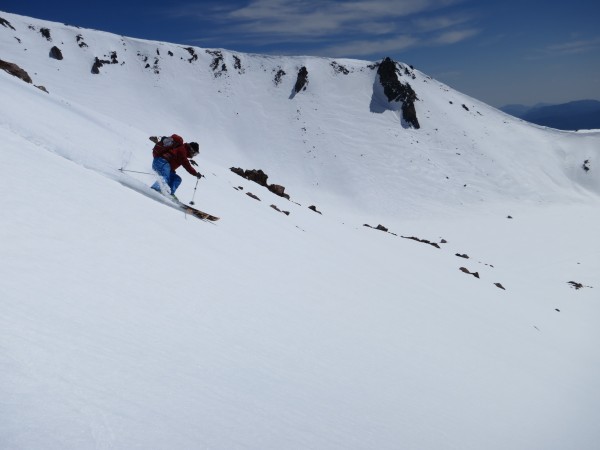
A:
[164,144]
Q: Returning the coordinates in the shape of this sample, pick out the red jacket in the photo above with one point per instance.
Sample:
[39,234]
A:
[176,155]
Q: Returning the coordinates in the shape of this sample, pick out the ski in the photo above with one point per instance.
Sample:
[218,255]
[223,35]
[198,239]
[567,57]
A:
[196,212]
[165,199]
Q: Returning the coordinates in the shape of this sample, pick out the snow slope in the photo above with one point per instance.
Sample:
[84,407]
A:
[124,323]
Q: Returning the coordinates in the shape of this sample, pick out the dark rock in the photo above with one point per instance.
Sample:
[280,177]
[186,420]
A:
[465,106]
[277,189]
[278,76]
[56,53]
[97,64]
[259,177]
[287,213]
[217,64]
[314,208]
[250,194]
[379,227]
[499,285]
[395,91]
[465,270]
[46,33]
[192,53]
[237,65]
[100,62]
[586,165]
[424,241]
[16,71]
[80,42]
[464,255]
[302,80]
[42,88]
[6,23]
[577,285]
[338,68]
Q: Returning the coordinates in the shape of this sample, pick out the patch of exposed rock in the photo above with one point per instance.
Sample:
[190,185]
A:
[15,71]
[218,65]
[46,33]
[55,53]
[467,271]
[259,177]
[6,23]
[424,241]
[395,91]
[278,76]
[100,62]
[301,80]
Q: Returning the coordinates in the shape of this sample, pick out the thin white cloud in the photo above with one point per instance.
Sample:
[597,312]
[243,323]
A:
[575,47]
[453,37]
[441,22]
[312,17]
[375,26]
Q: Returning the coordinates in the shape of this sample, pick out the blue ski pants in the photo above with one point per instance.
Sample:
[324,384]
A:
[162,167]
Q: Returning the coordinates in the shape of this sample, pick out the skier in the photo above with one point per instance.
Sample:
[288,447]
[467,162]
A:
[169,153]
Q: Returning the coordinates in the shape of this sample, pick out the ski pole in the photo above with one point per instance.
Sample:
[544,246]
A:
[194,194]
[135,171]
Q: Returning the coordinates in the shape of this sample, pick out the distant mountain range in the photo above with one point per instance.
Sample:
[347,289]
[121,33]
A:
[576,115]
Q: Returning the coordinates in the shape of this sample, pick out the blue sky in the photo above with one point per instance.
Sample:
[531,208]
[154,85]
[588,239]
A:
[501,52]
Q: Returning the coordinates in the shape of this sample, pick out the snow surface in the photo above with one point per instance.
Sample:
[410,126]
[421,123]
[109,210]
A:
[127,324]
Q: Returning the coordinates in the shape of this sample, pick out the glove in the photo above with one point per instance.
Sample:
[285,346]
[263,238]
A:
[199,175]
[193,163]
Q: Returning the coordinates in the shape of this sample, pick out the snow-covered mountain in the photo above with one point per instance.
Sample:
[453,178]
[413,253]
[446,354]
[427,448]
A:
[470,323]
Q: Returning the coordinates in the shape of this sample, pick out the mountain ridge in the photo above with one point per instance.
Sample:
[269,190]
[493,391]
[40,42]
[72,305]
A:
[213,79]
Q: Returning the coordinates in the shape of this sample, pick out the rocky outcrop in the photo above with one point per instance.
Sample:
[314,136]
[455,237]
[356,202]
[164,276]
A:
[279,76]
[424,241]
[259,177]
[46,33]
[218,65]
[287,213]
[56,53]
[395,91]
[378,227]
[586,165]
[100,62]
[80,41]
[467,271]
[302,80]
[338,68]
[575,285]
[192,53]
[16,71]
[6,23]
